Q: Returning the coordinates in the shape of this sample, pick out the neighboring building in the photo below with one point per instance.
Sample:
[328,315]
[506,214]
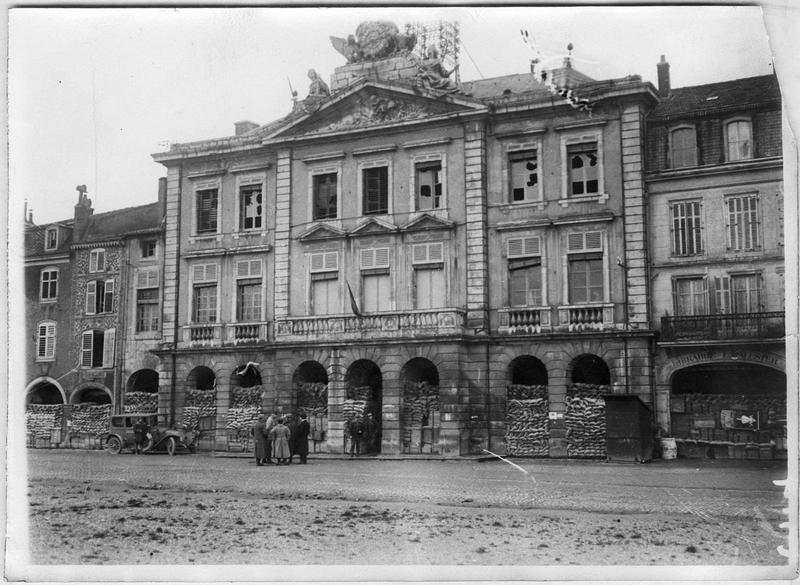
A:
[715,193]
[93,296]
[462,267]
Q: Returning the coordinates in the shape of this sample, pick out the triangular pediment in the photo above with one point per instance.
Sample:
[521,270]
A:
[426,222]
[321,232]
[374,227]
[372,104]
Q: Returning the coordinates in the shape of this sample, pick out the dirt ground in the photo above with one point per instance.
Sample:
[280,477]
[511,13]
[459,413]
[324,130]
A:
[108,522]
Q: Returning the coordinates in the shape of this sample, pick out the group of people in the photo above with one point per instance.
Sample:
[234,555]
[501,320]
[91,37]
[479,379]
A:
[279,438]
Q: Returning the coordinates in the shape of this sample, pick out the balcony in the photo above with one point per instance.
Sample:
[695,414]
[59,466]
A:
[724,327]
[576,318]
[216,334]
[527,320]
[394,324]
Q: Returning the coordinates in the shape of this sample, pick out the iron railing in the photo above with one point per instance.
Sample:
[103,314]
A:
[769,325]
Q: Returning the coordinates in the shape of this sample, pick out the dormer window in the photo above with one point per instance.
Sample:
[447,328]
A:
[738,140]
[682,147]
[51,239]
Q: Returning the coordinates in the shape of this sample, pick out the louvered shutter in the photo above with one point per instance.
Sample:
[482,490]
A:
[524,247]
[675,302]
[91,297]
[585,241]
[147,279]
[108,300]
[436,252]
[248,268]
[204,272]
[41,350]
[432,253]
[108,348]
[575,242]
[722,296]
[87,338]
[374,258]
[324,261]
[50,343]
[420,253]
[594,240]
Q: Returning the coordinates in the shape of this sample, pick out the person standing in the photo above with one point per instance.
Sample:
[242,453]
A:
[356,430]
[280,443]
[139,435]
[272,420]
[300,438]
[291,424]
[260,441]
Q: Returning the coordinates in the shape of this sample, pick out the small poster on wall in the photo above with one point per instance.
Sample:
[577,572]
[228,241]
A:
[739,419]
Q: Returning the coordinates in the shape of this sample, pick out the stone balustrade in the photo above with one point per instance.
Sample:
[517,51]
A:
[215,334]
[597,317]
[524,320]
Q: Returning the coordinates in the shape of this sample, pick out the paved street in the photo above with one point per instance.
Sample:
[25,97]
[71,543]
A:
[399,511]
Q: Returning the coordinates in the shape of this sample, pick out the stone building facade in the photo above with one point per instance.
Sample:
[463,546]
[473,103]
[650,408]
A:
[417,257]
[715,192]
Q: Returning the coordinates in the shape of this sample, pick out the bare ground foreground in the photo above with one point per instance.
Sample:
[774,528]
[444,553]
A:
[98,508]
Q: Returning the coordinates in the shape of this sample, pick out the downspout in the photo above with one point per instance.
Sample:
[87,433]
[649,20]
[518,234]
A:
[173,391]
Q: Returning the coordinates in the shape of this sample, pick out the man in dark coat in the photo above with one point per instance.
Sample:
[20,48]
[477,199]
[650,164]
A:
[260,444]
[300,438]
[272,420]
[356,431]
[140,429]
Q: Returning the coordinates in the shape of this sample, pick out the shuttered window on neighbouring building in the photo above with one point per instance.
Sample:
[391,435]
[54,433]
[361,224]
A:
[46,341]
[687,228]
[743,222]
[690,295]
[97,348]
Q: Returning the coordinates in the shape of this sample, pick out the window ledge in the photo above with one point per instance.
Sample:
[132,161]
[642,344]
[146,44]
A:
[601,198]
[205,238]
[147,335]
[48,301]
[46,359]
[250,234]
[540,205]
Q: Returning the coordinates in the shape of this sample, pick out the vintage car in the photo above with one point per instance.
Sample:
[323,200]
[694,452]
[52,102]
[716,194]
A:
[159,438]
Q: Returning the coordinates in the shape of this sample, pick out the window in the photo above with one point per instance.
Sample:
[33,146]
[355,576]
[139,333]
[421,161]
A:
[49,284]
[376,281]
[325,195]
[690,296]
[147,316]
[585,268]
[204,293]
[683,147]
[738,141]
[324,289]
[428,185]
[51,238]
[430,286]
[97,349]
[524,176]
[99,297]
[746,293]
[97,260]
[46,341]
[686,228]
[375,189]
[743,222]
[206,208]
[524,272]
[248,291]
[582,164]
[147,248]
[251,207]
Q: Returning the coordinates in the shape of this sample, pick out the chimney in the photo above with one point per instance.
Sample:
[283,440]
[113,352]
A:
[663,77]
[83,211]
[244,127]
[162,195]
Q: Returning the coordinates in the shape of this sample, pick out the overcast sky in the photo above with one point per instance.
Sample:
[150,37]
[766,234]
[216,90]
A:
[94,92]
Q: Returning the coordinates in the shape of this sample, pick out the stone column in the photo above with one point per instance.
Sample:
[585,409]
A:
[476,219]
[223,403]
[336,397]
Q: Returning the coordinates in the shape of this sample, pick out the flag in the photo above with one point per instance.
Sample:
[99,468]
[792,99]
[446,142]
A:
[353,303]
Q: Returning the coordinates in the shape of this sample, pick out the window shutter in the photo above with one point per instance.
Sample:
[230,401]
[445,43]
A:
[108,348]
[420,253]
[87,338]
[524,247]
[91,297]
[575,242]
[368,258]
[722,288]
[41,350]
[204,272]
[324,261]
[585,242]
[675,302]
[108,300]
[374,258]
[248,268]
[431,253]
[594,240]
[436,252]
[50,344]
[147,279]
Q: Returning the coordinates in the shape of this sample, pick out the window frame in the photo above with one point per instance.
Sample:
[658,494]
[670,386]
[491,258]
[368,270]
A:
[96,307]
[367,165]
[428,159]
[430,261]
[146,241]
[324,170]
[726,124]
[703,280]
[327,271]
[50,230]
[50,298]
[243,182]
[381,267]
[95,257]
[147,280]
[699,230]
[518,149]
[254,278]
[107,353]
[754,226]
[197,188]
[204,282]
[584,250]
[49,337]
[671,146]
[575,139]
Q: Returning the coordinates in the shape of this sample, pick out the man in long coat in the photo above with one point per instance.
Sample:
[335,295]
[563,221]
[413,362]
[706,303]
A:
[260,444]
[280,443]
[300,438]
[272,420]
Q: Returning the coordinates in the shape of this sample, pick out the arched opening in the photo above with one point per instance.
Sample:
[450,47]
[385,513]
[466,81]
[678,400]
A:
[585,416]
[141,392]
[527,406]
[44,413]
[246,376]
[420,407]
[200,406]
[363,403]
[91,411]
[729,410]
[310,384]
[245,404]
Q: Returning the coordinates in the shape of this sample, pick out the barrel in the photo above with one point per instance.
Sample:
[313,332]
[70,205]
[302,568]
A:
[669,449]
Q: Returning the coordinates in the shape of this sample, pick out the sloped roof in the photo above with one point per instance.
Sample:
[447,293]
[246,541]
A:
[122,222]
[34,239]
[714,98]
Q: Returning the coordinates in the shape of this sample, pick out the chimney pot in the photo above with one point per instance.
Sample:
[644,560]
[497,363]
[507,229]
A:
[663,77]
[244,127]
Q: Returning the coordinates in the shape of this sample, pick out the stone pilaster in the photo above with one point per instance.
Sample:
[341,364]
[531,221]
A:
[336,397]
[477,265]
[635,217]
[283,210]
[170,283]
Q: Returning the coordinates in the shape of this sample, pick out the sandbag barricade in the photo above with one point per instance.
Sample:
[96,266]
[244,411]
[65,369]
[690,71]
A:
[527,424]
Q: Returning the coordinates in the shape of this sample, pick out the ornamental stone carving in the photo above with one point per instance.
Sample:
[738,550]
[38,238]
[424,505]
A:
[374,40]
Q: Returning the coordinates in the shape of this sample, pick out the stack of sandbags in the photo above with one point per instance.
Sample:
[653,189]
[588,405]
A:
[199,403]
[141,402]
[527,427]
[241,420]
[585,420]
[522,392]
[246,397]
[359,393]
[94,419]
[41,419]
[354,409]
[420,406]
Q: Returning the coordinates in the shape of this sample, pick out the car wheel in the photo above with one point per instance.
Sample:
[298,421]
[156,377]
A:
[113,445]
[171,445]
